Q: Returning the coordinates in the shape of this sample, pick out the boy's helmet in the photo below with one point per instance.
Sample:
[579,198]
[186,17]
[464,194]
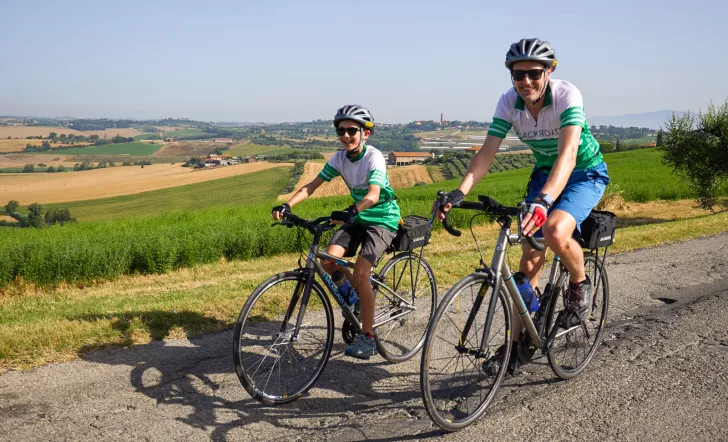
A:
[531,49]
[356,113]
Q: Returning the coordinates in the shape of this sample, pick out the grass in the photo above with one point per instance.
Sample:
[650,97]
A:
[176,134]
[245,150]
[40,326]
[133,149]
[233,191]
[149,136]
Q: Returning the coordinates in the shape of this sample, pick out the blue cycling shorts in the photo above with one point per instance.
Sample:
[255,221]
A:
[581,194]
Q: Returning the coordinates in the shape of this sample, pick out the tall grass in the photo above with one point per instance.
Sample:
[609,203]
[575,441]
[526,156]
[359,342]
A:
[156,244]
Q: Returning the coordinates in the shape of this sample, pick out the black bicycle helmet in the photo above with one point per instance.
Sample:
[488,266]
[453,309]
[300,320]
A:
[356,113]
[531,49]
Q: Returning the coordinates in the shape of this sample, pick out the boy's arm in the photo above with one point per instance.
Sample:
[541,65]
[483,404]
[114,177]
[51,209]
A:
[370,199]
[305,191]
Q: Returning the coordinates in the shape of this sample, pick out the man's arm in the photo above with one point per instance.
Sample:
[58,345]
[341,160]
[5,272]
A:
[480,164]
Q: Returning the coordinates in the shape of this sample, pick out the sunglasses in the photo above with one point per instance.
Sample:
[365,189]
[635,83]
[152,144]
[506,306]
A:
[533,74]
[351,131]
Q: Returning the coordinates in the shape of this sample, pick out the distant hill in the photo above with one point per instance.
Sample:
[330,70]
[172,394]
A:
[652,120]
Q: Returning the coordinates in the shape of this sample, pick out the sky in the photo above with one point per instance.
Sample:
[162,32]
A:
[276,61]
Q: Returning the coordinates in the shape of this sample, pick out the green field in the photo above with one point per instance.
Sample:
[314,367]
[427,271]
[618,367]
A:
[161,230]
[132,149]
[183,133]
[234,191]
[149,136]
[640,141]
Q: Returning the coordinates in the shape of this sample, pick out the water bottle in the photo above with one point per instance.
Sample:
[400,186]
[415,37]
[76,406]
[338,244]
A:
[347,291]
[526,291]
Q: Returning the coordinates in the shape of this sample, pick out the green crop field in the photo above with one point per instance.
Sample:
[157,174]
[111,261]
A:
[153,240]
[133,149]
[640,141]
[224,192]
[183,133]
[149,136]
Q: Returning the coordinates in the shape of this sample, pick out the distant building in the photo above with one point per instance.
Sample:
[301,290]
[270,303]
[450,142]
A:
[169,140]
[404,158]
[222,140]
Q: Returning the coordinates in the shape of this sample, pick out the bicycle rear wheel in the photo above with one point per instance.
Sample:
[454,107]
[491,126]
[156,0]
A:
[409,301]
[456,388]
[273,365]
[574,347]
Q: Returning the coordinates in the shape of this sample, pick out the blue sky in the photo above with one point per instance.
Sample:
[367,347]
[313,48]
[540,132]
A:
[300,60]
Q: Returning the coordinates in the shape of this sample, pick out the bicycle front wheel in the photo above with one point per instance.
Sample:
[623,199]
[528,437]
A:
[459,380]
[275,364]
[575,346]
[404,306]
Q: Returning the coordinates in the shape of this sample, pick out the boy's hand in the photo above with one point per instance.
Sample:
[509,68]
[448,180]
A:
[453,198]
[344,216]
[279,211]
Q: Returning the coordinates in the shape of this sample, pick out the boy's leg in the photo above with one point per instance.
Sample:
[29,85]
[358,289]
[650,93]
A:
[376,241]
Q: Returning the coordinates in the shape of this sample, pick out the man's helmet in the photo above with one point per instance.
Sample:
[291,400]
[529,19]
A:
[356,113]
[531,49]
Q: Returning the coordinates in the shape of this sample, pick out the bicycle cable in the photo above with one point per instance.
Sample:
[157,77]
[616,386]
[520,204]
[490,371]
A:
[480,252]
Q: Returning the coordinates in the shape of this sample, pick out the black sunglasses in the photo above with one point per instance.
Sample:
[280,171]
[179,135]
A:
[340,131]
[533,74]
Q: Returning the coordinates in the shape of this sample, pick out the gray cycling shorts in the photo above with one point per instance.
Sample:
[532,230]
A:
[374,241]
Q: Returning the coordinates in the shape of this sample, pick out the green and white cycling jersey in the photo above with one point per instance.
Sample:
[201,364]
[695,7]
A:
[369,167]
[563,106]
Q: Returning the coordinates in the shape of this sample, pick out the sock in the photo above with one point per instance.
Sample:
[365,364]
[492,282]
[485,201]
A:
[369,335]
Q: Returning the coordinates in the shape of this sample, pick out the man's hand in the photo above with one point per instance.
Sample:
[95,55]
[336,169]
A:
[534,218]
[279,211]
[344,216]
[454,197]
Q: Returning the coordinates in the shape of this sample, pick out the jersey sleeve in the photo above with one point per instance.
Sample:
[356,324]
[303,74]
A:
[329,172]
[572,109]
[378,172]
[501,120]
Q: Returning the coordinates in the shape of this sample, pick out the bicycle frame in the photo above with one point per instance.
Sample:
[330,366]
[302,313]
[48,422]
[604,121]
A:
[313,267]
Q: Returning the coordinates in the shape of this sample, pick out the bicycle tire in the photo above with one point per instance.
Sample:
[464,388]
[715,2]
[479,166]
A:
[564,365]
[259,347]
[448,399]
[412,278]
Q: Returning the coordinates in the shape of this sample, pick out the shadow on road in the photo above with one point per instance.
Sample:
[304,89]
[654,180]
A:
[196,379]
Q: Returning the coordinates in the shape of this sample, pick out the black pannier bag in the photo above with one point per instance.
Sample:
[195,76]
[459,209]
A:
[412,234]
[597,230]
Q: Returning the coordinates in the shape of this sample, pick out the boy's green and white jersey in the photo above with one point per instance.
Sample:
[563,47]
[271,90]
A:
[369,167]
[563,106]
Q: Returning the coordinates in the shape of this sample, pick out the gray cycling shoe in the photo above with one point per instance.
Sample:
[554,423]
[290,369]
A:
[579,299]
[363,348]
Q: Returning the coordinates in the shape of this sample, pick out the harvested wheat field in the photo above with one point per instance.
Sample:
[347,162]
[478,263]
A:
[35,131]
[114,181]
[7,146]
[21,159]
[9,219]
[399,177]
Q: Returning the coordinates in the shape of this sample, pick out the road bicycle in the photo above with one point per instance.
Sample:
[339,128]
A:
[285,331]
[461,369]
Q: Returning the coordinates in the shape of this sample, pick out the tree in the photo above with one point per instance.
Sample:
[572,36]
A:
[698,150]
[35,215]
[11,206]
[29,168]
[606,147]
[658,140]
[53,136]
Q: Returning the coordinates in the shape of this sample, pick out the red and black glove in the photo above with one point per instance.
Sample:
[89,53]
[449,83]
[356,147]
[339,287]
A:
[539,213]
[346,216]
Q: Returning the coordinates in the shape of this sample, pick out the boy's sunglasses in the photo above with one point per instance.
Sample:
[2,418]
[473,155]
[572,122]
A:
[533,74]
[340,131]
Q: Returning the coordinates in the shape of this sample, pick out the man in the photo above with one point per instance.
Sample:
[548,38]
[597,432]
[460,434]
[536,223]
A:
[570,175]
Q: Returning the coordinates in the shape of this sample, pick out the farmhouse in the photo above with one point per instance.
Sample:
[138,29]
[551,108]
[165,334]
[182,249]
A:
[404,158]
[222,140]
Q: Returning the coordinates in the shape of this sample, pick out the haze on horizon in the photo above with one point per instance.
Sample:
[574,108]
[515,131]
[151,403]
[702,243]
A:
[292,61]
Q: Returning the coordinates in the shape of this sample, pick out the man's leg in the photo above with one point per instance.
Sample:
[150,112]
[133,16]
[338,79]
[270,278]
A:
[557,231]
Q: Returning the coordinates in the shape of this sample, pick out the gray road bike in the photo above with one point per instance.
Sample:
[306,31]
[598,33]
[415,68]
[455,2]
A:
[461,369]
[285,332]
